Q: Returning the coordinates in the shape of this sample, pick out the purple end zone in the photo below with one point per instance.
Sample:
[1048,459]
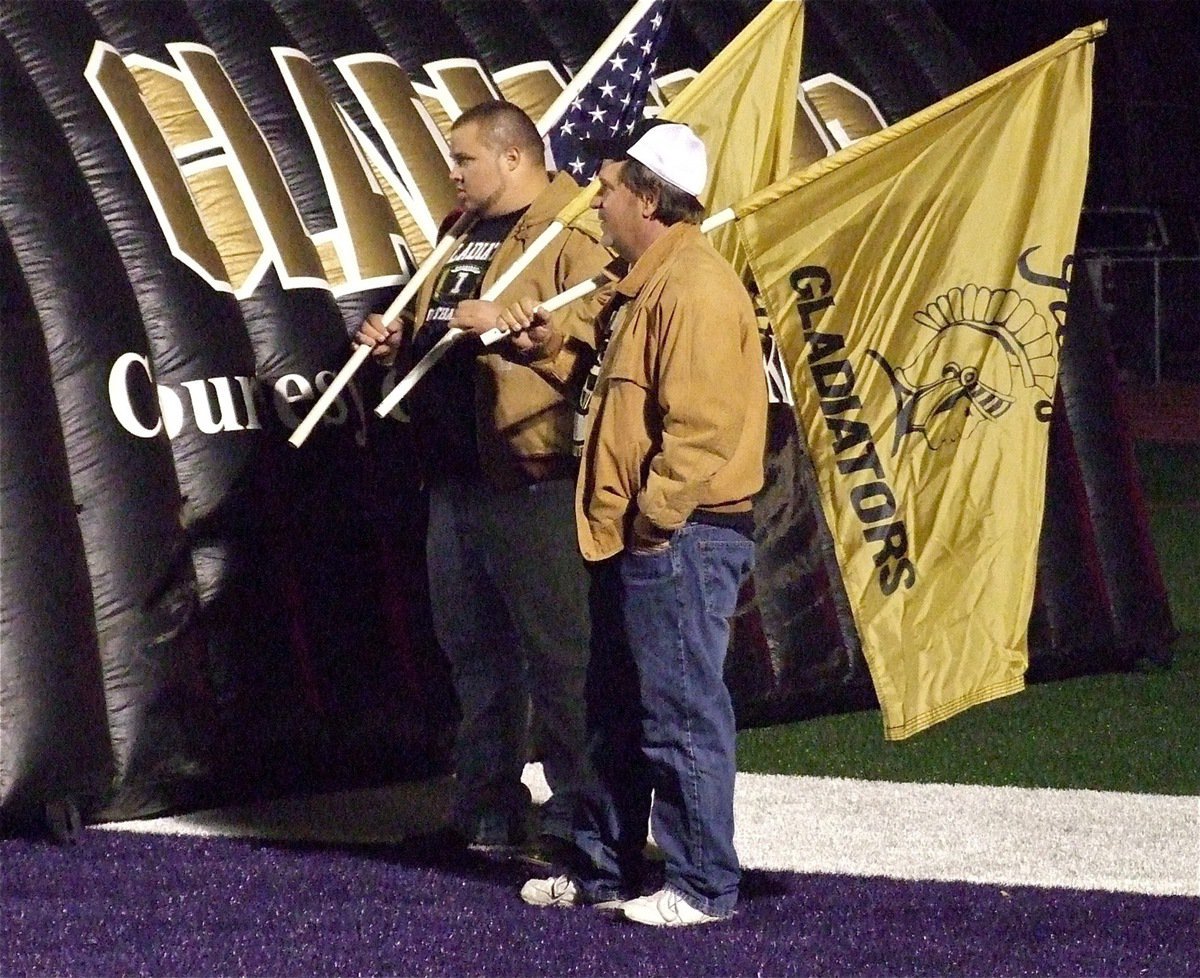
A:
[130,904]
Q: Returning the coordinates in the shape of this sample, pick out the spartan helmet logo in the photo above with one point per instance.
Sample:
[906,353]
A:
[985,343]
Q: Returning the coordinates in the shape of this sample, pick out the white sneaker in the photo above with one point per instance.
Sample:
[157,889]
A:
[666,908]
[560,891]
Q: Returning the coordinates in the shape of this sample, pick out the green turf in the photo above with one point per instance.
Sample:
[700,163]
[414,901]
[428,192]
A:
[1118,732]
[1171,477]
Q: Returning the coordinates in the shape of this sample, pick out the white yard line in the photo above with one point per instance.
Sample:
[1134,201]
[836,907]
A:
[373,816]
[1093,840]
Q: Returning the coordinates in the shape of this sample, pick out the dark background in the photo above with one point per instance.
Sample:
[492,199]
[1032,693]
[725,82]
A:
[1141,209]
[1139,238]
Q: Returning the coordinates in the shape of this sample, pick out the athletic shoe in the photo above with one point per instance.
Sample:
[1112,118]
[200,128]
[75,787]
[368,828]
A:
[560,891]
[666,908]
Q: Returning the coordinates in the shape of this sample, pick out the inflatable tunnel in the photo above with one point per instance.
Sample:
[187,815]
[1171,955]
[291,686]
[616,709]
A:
[199,202]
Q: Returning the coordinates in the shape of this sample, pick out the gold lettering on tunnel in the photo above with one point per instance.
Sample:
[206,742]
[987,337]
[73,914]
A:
[150,147]
[364,247]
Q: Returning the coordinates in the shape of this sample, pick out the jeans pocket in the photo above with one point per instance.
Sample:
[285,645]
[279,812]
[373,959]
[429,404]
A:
[644,567]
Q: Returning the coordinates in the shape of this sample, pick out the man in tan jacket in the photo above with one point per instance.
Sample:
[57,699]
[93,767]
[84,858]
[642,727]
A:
[672,456]
[508,594]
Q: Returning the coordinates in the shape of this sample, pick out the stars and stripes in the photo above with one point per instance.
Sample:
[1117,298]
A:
[612,99]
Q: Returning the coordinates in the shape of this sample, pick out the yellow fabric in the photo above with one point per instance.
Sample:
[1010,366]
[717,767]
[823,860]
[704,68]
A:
[742,105]
[916,281]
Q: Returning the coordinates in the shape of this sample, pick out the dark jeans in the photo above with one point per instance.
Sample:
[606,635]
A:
[509,596]
[660,720]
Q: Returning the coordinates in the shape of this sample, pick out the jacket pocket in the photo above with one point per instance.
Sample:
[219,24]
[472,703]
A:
[625,442]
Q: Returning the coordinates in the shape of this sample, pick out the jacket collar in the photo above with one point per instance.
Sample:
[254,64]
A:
[546,206]
[652,258]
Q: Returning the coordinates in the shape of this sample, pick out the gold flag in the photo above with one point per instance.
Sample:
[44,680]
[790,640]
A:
[743,107]
[917,281]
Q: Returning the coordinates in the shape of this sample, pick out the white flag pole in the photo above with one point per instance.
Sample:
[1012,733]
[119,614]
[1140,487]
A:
[362,352]
[576,206]
[452,336]
[588,286]
[329,395]
[554,303]
[549,118]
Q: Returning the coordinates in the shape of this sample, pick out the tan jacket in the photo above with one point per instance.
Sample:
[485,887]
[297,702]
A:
[678,418]
[524,419]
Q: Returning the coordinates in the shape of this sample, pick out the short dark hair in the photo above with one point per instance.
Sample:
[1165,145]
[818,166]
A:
[674,205]
[503,124]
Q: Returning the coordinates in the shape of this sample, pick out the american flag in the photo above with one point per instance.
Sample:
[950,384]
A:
[608,95]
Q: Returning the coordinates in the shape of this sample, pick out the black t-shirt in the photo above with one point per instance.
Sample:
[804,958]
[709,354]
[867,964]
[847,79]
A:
[443,403]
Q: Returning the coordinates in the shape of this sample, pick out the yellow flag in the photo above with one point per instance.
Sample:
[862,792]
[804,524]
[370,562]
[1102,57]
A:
[743,107]
[917,281]
[743,104]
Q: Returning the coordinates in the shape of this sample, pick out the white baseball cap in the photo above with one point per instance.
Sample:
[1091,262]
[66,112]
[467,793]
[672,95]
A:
[671,151]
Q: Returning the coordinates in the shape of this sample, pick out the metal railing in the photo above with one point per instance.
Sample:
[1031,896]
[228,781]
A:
[1155,249]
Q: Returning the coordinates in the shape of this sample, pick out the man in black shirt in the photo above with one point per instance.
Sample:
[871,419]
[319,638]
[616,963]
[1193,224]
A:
[507,586]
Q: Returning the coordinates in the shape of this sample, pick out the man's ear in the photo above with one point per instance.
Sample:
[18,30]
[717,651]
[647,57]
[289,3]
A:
[512,157]
[649,204]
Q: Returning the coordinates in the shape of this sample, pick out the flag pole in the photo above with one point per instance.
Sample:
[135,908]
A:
[588,286]
[577,205]
[570,95]
[362,351]
[582,77]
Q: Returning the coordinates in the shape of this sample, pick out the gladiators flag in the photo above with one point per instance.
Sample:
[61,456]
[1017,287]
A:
[918,283]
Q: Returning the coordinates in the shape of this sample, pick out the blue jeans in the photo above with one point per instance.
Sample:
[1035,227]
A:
[508,591]
[660,719]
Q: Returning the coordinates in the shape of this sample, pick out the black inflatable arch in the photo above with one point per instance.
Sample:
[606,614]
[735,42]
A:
[191,609]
